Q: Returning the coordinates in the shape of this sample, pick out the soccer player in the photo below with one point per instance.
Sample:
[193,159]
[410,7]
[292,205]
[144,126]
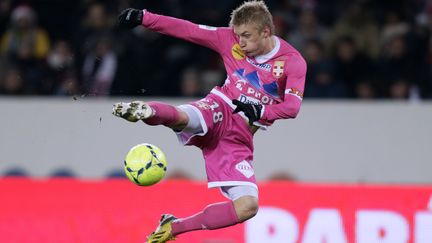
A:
[265,82]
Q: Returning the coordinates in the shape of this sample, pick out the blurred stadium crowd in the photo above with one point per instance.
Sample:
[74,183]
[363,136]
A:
[361,49]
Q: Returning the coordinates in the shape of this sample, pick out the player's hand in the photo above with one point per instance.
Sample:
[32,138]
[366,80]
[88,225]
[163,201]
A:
[253,112]
[130,18]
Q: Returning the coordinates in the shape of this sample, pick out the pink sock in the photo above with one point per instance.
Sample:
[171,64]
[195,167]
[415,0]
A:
[164,114]
[214,216]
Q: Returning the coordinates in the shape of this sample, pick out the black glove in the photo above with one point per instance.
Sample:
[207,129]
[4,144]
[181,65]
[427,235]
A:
[253,112]
[130,18]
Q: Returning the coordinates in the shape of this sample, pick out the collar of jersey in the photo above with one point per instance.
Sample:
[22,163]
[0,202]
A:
[265,57]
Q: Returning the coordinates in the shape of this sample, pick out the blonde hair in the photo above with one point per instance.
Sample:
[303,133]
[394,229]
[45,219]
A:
[255,12]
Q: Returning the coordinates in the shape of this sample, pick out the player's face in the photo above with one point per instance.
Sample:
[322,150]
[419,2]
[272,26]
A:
[252,41]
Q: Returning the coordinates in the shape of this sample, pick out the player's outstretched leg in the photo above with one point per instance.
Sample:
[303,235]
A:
[134,111]
[214,216]
[152,113]
[163,232]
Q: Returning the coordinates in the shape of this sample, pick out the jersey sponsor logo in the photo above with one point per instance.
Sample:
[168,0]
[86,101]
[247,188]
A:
[255,81]
[206,27]
[248,100]
[295,92]
[254,97]
[237,52]
[245,168]
[278,69]
[264,66]
[258,97]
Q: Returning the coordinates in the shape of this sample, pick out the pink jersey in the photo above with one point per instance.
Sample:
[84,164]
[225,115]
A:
[275,80]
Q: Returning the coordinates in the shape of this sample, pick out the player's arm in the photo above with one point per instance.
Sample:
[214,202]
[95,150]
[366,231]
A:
[293,95]
[200,34]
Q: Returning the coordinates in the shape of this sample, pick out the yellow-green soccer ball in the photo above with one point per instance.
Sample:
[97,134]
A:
[145,164]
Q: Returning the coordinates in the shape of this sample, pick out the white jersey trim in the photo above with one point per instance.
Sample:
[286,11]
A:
[144,12]
[206,27]
[231,183]
[229,102]
[262,111]
[224,97]
[265,57]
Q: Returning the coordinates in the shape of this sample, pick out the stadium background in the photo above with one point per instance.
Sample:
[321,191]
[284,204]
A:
[355,167]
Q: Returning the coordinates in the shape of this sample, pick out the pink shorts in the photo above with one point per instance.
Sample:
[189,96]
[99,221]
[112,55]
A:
[225,140]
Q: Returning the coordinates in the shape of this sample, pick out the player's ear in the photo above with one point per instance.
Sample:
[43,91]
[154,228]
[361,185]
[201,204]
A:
[266,32]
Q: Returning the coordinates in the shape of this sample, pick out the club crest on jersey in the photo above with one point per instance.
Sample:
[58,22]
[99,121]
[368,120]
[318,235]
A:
[278,68]
[237,52]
